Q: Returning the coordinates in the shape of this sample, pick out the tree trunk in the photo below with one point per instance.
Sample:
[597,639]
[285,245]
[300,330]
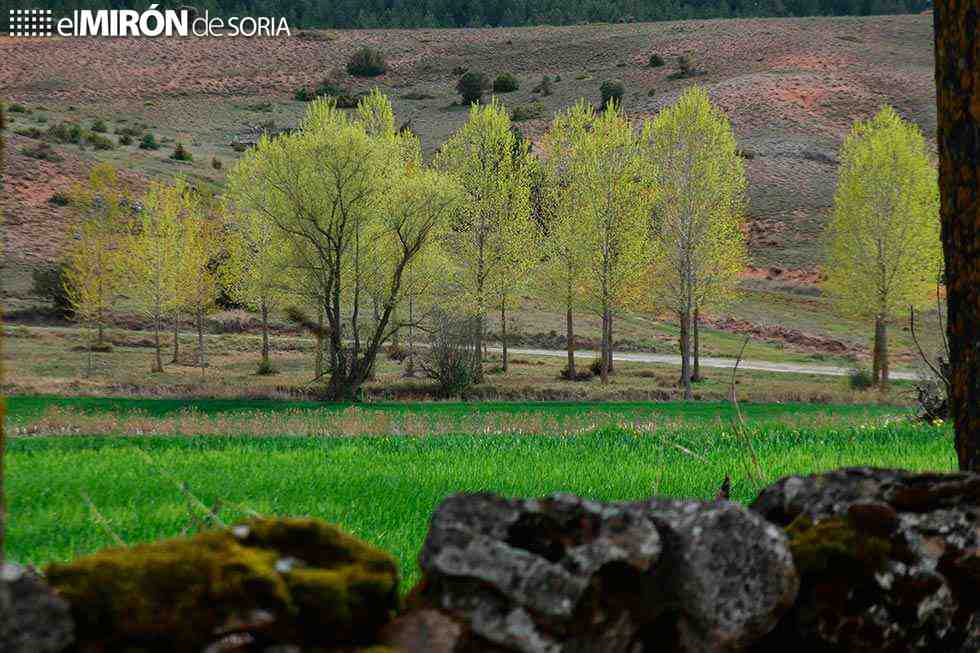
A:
[695,327]
[685,318]
[265,337]
[609,348]
[480,348]
[202,357]
[570,343]
[957,50]
[101,339]
[318,347]
[880,366]
[88,365]
[176,341]
[503,334]
[604,352]
[158,360]
[410,365]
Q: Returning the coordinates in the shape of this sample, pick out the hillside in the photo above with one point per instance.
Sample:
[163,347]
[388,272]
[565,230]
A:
[792,88]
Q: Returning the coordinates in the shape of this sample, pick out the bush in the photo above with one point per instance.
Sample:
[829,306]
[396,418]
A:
[859,379]
[303,94]
[266,369]
[656,61]
[367,62]
[30,132]
[595,367]
[125,139]
[41,151]
[454,360]
[99,126]
[216,163]
[181,153]
[612,90]
[149,142]
[685,68]
[580,374]
[18,108]
[528,111]
[98,141]
[65,132]
[60,198]
[506,83]
[132,132]
[49,285]
[471,86]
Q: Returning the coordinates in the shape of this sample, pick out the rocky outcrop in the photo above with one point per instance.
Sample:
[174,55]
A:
[889,560]
[33,619]
[565,574]
[263,583]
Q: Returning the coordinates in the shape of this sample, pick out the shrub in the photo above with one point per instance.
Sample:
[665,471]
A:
[125,139]
[580,374]
[656,61]
[216,163]
[459,71]
[454,359]
[181,153]
[367,62]
[49,285]
[595,367]
[59,198]
[612,90]
[18,108]
[98,141]
[99,126]
[149,142]
[266,368]
[528,111]
[303,94]
[859,379]
[132,132]
[343,97]
[65,132]
[685,68]
[30,132]
[41,151]
[471,86]
[506,83]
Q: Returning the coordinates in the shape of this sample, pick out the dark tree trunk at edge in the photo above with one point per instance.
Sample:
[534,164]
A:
[570,343]
[957,51]
[696,372]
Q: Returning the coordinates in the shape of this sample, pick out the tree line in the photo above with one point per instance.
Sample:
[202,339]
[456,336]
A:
[343,226]
[502,13]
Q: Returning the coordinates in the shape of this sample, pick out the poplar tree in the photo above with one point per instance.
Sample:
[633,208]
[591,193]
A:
[883,245]
[92,272]
[151,260]
[698,181]
[492,237]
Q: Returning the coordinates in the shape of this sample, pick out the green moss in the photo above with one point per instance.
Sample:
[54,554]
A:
[319,584]
[835,546]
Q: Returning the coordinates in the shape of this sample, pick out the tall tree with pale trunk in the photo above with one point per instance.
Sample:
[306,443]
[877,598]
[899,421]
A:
[92,272]
[151,260]
[957,55]
[699,183]
[883,244]
[598,173]
[492,236]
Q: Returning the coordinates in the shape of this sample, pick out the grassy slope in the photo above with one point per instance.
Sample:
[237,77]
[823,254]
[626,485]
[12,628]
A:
[791,86]
[384,488]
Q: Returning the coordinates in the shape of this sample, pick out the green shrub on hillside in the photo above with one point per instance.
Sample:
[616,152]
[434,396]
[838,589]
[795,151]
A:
[471,86]
[181,153]
[149,142]
[506,83]
[367,62]
[612,90]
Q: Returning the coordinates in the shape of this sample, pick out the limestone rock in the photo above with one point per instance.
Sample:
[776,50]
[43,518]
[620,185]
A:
[888,560]
[33,619]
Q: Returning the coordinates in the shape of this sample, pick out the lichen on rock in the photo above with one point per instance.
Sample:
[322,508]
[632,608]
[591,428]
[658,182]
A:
[296,581]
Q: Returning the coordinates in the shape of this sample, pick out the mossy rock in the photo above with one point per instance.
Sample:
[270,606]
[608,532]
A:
[835,546]
[296,581]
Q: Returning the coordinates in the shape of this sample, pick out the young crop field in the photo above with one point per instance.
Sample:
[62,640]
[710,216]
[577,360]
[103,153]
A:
[73,494]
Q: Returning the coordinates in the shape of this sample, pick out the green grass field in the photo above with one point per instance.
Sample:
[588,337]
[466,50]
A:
[383,488]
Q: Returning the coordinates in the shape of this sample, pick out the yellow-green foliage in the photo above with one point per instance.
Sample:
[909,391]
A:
[699,198]
[835,546]
[883,247]
[321,586]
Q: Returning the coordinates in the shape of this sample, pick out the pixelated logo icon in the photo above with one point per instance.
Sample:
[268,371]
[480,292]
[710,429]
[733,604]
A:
[30,22]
